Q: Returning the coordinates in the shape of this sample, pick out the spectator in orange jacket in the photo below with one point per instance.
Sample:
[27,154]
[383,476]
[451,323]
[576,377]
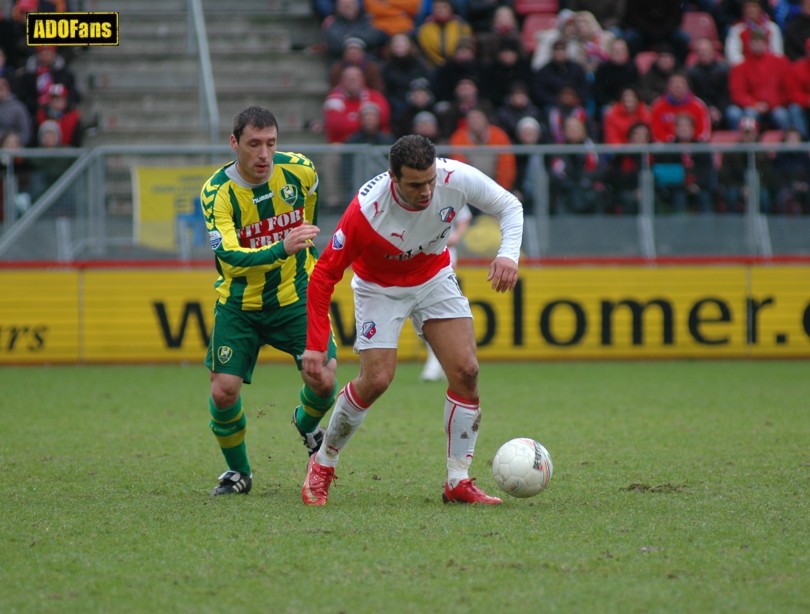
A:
[759,88]
[676,100]
[393,16]
[479,131]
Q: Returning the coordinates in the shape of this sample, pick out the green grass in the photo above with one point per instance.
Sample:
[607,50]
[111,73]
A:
[677,487]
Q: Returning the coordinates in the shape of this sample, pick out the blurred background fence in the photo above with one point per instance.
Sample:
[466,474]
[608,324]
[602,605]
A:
[138,202]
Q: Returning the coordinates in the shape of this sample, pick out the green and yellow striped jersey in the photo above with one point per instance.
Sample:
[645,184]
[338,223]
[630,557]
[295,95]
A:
[246,227]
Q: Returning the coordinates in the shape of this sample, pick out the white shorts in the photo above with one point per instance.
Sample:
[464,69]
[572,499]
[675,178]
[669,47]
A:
[380,312]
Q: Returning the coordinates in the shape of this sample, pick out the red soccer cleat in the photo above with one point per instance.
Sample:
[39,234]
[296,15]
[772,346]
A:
[316,485]
[467,492]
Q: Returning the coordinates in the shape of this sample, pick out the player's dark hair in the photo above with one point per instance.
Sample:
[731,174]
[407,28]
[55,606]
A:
[258,117]
[414,151]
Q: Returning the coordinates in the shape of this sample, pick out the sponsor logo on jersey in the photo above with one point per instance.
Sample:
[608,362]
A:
[215,238]
[263,197]
[289,194]
[338,239]
[224,354]
[447,214]
[270,230]
[368,329]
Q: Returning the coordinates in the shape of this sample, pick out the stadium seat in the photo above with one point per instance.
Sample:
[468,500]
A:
[771,136]
[534,23]
[698,24]
[530,7]
[645,59]
[722,136]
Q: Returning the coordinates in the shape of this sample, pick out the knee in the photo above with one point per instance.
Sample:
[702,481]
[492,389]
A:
[224,396]
[371,386]
[468,372]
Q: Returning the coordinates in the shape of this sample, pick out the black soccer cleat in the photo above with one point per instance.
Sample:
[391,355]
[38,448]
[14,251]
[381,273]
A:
[312,441]
[233,483]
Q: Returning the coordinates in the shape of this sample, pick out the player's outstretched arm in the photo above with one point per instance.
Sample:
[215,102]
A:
[503,273]
[314,363]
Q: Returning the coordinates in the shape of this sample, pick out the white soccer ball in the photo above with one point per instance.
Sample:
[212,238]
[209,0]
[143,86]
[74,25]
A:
[522,467]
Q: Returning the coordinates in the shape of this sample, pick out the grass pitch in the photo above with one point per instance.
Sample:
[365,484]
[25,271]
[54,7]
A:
[677,487]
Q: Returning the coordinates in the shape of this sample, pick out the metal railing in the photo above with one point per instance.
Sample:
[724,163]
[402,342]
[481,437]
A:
[93,209]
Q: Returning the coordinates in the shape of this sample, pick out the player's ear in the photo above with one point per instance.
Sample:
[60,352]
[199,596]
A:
[234,143]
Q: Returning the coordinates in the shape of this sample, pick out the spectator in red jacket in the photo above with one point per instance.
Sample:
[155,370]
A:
[58,109]
[676,100]
[342,107]
[799,89]
[625,113]
[759,88]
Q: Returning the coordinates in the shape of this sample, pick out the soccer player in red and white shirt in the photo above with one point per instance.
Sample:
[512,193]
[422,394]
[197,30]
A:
[394,235]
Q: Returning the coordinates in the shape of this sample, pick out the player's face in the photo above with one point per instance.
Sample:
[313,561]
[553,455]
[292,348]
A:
[254,153]
[415,187]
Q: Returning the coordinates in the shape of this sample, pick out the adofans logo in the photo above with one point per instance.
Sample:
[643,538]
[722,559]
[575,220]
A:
[74,29]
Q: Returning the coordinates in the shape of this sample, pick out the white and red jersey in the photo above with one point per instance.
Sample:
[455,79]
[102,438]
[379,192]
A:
[391,245]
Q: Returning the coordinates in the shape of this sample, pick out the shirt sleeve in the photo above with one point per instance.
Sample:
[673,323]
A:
[485,194]
[338,255]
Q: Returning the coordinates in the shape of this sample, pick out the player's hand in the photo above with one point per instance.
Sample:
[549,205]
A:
[314,362]
[300,238]
[503,273]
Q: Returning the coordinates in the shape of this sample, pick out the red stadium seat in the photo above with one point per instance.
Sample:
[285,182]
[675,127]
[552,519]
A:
[530,7]
[534,23]
[645,59]
[698,24]
[771,136]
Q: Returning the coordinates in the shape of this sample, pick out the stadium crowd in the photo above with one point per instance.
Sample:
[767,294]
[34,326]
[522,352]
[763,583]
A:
[38,103]
[488,72]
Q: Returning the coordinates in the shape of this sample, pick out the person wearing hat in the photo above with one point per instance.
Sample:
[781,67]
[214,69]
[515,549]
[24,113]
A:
[44,68]
[759,88]
[354,54]
[57,108]
[349,21]
[441,32]
[419,98]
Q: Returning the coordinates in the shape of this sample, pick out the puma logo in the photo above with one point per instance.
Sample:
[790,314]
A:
[399,235]
[376,208]
[447,178]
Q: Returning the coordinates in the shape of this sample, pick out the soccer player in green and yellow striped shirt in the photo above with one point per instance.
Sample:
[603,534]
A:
[261,212]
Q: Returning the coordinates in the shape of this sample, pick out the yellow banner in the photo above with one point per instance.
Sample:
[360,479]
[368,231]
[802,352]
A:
[161,195]
[165,315]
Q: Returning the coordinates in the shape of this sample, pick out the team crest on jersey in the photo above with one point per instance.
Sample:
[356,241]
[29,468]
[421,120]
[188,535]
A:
[224,354]
[368,329]
[215,239]
[289,194]
[338,239]
[447,214]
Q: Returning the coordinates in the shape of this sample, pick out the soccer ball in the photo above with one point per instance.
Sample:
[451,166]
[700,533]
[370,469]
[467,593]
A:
[522,467]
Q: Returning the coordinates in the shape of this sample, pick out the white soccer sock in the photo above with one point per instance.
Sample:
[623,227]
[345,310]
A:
[347,415]
[461,420]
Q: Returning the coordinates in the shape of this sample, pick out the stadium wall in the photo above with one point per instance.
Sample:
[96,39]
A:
[160,313]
